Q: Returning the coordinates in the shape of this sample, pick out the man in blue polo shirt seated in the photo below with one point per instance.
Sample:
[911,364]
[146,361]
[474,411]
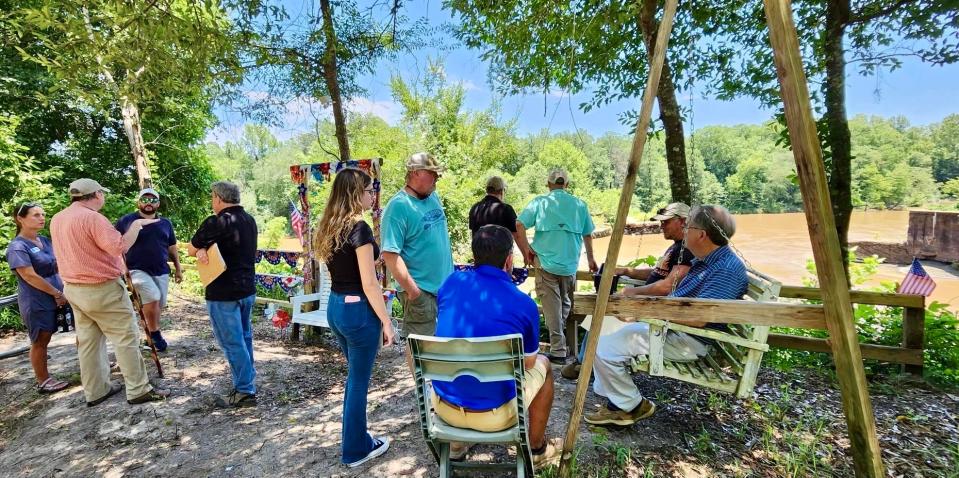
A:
[716,273]
[484,302]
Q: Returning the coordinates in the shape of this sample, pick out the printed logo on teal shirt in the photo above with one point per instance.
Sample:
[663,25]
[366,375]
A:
[433,217]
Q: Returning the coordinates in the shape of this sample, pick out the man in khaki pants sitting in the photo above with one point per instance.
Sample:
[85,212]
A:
[88,251]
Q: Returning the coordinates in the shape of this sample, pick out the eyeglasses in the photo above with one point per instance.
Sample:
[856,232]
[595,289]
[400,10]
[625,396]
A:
[149,200]
[371,192]
[26,207]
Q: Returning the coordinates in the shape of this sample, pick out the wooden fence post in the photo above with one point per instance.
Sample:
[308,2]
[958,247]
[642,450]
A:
[913,333]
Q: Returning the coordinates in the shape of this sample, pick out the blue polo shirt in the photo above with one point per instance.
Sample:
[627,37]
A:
[151,251]
[484,303]
[720,275]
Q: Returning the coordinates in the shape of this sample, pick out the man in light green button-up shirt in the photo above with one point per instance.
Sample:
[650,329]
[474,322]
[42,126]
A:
[563,226]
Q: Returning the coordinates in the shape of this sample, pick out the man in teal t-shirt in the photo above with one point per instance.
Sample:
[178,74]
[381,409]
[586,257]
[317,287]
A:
[562,226]
[416,244]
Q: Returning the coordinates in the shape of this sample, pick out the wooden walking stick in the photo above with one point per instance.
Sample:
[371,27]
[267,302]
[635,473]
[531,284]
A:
[135,297]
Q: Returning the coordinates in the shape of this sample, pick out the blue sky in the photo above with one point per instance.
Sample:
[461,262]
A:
[922,93]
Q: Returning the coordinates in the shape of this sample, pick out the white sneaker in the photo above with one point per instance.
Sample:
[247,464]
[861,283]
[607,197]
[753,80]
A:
[380,445]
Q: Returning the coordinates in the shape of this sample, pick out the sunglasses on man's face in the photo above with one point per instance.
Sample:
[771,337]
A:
[149,200]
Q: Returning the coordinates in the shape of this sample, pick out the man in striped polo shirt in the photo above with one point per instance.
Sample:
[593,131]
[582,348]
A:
[716,273]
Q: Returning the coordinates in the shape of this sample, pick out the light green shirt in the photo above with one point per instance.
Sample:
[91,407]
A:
[561,220]
[416,230]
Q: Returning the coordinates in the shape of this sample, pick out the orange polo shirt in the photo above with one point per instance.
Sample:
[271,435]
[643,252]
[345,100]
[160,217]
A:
[88,248]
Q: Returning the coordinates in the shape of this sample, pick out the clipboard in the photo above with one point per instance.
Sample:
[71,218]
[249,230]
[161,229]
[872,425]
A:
[213,268]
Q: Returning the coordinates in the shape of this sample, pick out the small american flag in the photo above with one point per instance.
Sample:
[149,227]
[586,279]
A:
[917,282]
[296,221]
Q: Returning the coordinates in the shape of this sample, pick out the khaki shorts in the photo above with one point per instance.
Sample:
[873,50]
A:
[499,418]
[150,288]
[419,316]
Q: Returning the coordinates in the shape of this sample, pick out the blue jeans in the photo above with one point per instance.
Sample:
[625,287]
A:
[233,329]
[359,333]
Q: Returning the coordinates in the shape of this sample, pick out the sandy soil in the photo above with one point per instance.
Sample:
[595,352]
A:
[794,427]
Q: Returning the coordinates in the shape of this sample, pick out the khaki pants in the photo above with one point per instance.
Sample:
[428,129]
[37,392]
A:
[103,311]
[556,296]
[499,418]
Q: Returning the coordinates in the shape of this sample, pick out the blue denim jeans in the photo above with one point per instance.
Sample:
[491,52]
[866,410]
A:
[359,333]
[233,329]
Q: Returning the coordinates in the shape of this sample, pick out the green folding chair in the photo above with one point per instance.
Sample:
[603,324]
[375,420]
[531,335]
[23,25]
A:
[488,359]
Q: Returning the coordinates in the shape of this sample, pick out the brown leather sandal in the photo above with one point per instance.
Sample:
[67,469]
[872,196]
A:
[51,385]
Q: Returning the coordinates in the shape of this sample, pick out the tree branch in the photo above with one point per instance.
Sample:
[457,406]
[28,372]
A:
[863,16]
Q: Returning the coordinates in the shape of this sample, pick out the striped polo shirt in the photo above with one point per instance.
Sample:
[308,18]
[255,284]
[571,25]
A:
[87,246]
[720,275]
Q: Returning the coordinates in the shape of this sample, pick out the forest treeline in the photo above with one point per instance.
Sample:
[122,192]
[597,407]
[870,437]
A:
[743,167]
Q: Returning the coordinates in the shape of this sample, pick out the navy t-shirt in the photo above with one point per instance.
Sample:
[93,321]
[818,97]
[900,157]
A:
[490,210]
[23,253]
[151,251]
[484,303]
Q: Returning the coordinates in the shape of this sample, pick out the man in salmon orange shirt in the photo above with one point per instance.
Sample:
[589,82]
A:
[89,251]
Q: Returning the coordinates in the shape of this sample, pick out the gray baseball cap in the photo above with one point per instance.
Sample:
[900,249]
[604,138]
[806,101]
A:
[84,186]
[676,209]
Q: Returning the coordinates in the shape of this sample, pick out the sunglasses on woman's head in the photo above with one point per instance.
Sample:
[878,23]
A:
[26,207]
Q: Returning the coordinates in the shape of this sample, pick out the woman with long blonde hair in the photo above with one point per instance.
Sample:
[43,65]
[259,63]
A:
[356,311]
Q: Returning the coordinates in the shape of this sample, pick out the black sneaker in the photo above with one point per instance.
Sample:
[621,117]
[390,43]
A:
[556,359]
[236,399]
[380,445]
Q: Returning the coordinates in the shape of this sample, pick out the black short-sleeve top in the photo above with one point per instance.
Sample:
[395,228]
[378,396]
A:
[342,263]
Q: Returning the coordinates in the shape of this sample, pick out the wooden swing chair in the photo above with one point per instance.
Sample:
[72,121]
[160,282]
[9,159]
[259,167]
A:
[752,318]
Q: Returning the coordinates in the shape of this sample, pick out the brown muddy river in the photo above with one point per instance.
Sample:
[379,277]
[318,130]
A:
[778,245]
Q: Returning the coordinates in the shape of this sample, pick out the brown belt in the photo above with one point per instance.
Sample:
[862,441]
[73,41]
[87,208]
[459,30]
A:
[464,409]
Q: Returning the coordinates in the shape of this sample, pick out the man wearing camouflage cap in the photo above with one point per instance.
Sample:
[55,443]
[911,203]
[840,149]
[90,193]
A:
[416,244]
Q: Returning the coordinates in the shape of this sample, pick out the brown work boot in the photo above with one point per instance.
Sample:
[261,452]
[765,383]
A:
[571,371]
[605,416]
[151,396]
[551,455]
[236,399]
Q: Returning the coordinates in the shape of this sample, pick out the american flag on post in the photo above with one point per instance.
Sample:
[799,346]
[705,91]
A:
[297,221]
[917,282]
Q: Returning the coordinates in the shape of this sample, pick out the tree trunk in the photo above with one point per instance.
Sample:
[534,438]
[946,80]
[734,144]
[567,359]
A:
[837,133]
[668,111]
[332,83]
[131,125]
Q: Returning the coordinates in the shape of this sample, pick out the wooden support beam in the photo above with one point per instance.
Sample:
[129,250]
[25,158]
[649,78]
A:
[875,352]
[857,296]
[804,316]
[810,168]
[619,227]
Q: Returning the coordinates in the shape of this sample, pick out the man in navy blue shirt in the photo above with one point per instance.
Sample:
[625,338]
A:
[147,260]
[484,302]
[716,273]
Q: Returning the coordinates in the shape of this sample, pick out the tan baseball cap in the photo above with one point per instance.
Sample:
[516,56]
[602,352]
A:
[424,161]
[84,186]
[676,209]
[558,176]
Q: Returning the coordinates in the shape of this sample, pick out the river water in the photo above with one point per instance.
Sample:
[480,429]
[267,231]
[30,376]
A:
[778,245]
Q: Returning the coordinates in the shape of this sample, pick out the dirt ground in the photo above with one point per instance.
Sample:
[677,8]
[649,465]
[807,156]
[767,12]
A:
[794,427]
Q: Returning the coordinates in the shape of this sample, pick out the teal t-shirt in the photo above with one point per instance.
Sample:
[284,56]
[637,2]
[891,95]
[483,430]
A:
[561,220]
[416,230]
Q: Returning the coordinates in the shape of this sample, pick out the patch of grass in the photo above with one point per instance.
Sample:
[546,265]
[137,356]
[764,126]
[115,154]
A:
[10,319]
[703,443]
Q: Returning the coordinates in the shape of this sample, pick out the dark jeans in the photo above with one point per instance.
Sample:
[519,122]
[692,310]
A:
[233,329]
[359,333]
